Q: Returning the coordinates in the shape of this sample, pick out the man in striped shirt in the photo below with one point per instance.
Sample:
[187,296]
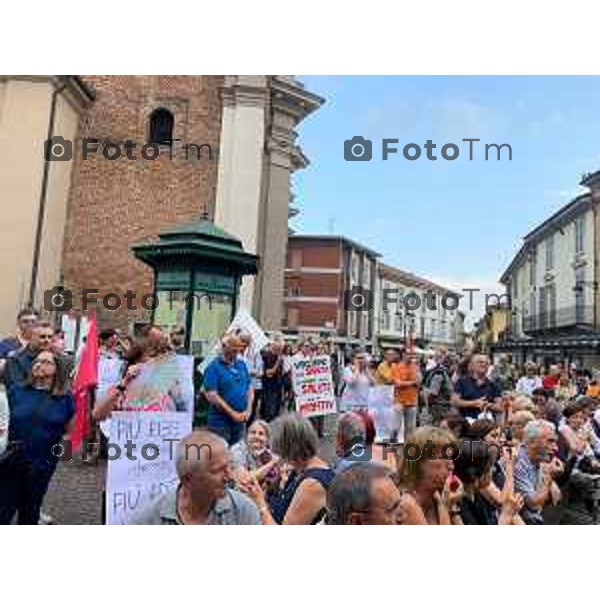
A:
[535,470]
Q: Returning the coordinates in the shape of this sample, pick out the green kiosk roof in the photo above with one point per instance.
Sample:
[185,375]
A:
[199,241]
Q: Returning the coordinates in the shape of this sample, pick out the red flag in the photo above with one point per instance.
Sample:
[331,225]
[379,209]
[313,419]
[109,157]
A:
[85,380]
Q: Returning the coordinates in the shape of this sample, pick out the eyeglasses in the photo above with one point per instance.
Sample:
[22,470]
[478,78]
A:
[44,362]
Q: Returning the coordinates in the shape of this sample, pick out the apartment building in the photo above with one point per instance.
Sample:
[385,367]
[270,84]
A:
[553,285]
[402,311]
[491,328]
[323,274]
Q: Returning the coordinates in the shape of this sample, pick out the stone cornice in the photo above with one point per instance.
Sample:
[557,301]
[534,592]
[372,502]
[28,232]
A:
[245,95]
[291,97]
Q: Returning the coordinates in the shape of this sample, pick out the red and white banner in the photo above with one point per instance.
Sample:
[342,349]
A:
[313,386]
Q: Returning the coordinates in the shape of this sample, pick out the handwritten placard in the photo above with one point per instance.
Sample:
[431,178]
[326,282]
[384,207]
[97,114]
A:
[313,386]
[141,460]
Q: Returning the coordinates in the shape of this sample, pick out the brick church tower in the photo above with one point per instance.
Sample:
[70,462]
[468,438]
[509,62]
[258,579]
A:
[242,181]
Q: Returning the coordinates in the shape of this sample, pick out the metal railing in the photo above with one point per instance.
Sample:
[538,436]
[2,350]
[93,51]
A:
[570,316]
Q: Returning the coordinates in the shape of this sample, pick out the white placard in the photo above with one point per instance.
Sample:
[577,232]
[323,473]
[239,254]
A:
[145,446]
[69,325]
[381,409]
[313,386]
[164,384]
[243,321]
[354,398]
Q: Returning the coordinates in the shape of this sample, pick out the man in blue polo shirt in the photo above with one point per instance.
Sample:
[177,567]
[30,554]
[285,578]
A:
[476,392]
[228,388]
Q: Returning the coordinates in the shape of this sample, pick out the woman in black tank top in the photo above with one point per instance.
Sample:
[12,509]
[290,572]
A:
[303,498]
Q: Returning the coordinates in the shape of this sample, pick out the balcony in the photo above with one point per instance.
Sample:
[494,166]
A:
[574,316]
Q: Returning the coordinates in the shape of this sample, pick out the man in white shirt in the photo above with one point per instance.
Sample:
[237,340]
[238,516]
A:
[530,381]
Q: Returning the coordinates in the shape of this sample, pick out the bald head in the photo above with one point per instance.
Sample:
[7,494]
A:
[231,345]
[196,451]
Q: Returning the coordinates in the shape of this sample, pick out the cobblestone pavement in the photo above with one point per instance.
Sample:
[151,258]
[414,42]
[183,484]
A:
[75,495]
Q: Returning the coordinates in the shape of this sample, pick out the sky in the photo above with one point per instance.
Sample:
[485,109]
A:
[457,222]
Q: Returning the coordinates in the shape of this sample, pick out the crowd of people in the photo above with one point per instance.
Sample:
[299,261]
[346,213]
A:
[471,442]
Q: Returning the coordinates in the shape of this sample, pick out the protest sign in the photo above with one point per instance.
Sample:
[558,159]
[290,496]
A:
[69,326]
[354,398]
[242,322]
[378,401]
[163,384]
[381,409]
[313,386]
[141,465]
[110,371]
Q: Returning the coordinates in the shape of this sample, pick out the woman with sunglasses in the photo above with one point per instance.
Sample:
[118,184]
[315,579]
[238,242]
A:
[41,413]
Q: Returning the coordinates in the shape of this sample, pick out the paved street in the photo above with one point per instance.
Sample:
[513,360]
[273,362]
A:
[74,496]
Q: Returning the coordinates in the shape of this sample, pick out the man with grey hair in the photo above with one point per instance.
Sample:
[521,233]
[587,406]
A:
[364,494]
[202,496]
[350,441]
[535,470]
[229,391]
[517,422]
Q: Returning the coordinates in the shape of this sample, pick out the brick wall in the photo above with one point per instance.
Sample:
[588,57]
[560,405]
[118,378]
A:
[116,204]
[306,253]
[311,314]
[313,253]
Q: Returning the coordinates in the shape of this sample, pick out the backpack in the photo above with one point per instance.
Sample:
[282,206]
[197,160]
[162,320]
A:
[445,389]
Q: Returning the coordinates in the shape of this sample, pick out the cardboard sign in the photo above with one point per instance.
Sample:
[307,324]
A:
[313,386]
[381,409]
[165,384]
[141,465]
[378,401]
[354,399]
[242,321]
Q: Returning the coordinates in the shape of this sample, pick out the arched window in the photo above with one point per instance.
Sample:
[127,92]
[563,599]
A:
[161,126]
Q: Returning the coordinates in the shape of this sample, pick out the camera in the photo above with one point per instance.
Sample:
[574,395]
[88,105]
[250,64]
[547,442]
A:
[58,299]
[359,451]
[358,298]
[357,148]
[57,148]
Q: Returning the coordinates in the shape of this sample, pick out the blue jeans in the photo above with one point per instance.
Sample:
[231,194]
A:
[230,431]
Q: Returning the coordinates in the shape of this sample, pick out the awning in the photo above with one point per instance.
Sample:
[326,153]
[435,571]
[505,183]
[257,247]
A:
[579,342]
